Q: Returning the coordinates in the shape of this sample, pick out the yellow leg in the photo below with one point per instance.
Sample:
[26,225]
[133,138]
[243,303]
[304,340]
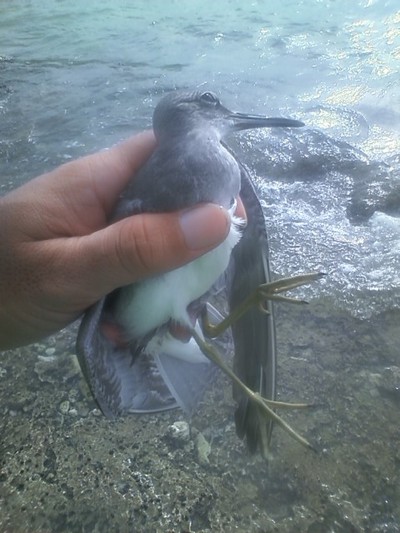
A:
[267,291]
[264,406]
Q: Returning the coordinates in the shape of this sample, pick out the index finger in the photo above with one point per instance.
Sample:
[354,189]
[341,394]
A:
[98,179]
[113,168]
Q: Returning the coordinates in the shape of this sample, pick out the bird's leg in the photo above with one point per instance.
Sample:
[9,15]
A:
[264,406]
[266,291]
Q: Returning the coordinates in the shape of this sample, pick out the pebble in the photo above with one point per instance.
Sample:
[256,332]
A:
[64,407]
[203,449]
[180,431]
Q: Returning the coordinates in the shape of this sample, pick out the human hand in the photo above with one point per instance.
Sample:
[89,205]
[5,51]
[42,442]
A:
[58,255]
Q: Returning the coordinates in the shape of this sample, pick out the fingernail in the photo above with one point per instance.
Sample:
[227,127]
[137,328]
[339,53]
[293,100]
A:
[204,226]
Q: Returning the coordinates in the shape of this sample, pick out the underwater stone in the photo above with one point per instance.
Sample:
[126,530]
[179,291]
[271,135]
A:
[64,407]
[203,449]
[179,431]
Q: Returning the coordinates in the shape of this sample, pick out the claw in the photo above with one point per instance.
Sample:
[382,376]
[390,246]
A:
[267,291]
[273,290]
[259,298]
[264,406]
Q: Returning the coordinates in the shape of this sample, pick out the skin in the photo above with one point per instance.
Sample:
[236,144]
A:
[58,255]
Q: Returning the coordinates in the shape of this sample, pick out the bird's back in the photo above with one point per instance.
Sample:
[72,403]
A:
[185,172]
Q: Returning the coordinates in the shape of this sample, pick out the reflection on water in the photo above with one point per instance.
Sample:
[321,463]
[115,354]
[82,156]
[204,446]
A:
[75,78]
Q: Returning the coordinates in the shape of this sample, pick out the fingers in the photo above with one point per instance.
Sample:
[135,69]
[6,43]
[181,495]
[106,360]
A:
[133,152]
[113,168]
[101,176]
[144,245]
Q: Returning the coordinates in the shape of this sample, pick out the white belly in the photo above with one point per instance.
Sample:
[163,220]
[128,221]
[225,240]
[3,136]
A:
[145,306]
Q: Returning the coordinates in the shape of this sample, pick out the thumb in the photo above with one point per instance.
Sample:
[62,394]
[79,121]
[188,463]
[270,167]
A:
[144,245]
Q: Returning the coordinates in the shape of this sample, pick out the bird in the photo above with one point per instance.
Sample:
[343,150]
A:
[147,347]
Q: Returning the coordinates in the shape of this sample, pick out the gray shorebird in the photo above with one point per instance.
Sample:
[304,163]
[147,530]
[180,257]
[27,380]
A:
[128,346]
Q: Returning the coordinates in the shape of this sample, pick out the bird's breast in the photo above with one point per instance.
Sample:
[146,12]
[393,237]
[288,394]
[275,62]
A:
[145,306]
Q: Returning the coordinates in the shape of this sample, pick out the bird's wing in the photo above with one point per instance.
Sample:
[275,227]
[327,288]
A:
[121,376]
[124,377]
[119,380]
[254,333]
[125,380]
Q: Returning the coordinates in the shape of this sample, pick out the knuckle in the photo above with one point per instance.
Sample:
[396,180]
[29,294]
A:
[140,247]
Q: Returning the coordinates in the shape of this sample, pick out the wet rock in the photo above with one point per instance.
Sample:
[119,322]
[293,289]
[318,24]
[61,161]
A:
[55,468]
[389,384]
[377,189]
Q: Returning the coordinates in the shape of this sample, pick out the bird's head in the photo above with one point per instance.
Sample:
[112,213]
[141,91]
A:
[180,112]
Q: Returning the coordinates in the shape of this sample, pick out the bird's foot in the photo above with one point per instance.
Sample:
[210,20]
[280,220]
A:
[272,291]
[262,294]
[265,408]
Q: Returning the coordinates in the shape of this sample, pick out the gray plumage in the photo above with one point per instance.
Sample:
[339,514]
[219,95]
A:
[190,165]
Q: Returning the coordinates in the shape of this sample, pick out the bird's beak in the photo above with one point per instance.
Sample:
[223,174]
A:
[241,121]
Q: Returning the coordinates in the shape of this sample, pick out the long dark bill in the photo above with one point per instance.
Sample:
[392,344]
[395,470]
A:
[241,121]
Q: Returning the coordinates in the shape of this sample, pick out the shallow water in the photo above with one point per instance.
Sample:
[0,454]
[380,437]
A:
[76,78]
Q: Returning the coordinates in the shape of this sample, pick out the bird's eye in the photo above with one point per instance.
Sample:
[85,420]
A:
[209,99]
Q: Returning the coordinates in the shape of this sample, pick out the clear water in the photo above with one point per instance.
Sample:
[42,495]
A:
[78,76]
[75,78]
